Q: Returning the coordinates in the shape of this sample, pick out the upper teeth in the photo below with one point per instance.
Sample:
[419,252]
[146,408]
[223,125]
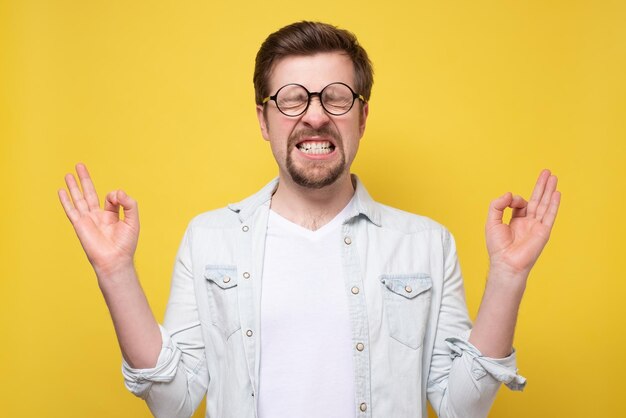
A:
[322,147]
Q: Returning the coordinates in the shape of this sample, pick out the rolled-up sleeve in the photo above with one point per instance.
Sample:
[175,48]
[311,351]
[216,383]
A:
[176,385]
[462,382]
[139,381]
[501,369]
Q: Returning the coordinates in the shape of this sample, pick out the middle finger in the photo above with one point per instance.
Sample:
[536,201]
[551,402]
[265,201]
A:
[77,196]
[89,190]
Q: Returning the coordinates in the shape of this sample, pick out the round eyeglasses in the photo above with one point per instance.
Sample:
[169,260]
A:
[294,99]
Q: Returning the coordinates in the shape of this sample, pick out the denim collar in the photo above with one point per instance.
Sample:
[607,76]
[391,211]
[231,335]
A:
[363,203]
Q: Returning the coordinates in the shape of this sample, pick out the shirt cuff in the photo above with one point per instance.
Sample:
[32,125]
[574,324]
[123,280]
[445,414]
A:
[139,381]
[503,370]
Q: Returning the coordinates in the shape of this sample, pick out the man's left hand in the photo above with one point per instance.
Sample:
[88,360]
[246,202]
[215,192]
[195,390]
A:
[514,248]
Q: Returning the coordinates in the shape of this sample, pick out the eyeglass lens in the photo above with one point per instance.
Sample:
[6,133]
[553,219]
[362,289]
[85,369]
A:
[293,99]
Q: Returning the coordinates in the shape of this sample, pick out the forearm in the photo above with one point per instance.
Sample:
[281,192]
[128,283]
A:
[137,330]
[494,327]
[513,250]
[462,380]
[109,243]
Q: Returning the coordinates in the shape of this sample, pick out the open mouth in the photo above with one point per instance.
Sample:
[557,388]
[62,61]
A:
[316,147]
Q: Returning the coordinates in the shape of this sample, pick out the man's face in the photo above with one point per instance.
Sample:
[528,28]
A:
[316,148]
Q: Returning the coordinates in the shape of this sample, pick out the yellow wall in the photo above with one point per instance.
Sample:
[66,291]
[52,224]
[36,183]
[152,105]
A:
[471,99]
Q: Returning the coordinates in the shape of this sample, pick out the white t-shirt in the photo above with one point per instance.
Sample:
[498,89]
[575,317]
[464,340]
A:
[306,365]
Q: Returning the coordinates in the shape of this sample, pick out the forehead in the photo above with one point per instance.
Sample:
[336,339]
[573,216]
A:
[312,71]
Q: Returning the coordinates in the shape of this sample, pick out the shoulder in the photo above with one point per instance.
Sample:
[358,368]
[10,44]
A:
[234,214]
[394,218]
[399,224]
[215,219]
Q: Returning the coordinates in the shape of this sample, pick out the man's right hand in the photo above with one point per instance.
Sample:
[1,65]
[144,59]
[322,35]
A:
[108,239]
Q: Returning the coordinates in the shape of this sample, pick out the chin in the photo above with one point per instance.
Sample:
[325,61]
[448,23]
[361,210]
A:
[316,181]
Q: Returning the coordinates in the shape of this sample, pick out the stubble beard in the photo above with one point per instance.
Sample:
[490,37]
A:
[316,174]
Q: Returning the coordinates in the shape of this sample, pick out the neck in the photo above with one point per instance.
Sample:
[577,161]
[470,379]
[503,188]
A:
[311,208]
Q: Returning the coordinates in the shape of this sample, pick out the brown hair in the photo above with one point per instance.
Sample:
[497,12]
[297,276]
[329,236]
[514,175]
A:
[308,38]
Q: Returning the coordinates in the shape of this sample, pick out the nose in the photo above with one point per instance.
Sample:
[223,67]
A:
[315,116]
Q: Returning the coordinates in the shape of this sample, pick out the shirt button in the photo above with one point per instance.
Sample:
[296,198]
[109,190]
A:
[354,290]
[226,279]
[347,240]
[245,228]
[246,275]
[360,346]
[249,333]
[363,407]
[408,289]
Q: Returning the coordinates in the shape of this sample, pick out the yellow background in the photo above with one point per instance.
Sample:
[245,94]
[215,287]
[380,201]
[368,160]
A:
[471,99]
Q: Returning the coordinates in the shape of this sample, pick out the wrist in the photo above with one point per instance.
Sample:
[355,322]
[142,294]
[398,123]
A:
[507,284]
[499,267]
[115,273]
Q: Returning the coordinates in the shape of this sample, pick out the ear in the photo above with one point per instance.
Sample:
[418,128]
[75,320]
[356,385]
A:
[365,109]
[265,130]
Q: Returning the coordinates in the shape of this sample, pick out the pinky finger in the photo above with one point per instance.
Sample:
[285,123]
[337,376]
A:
[553,208]
[68,207]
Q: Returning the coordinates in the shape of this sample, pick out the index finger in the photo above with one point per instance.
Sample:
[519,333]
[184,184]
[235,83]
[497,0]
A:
[89,190]
[497,208]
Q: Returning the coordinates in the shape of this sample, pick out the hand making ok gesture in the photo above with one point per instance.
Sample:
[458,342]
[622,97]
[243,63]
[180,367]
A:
[109,240]
[513,250]
[515,247]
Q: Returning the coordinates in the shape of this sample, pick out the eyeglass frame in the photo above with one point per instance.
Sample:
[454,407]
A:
[311,94]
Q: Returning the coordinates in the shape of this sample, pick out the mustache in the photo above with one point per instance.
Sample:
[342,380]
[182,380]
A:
[324,131]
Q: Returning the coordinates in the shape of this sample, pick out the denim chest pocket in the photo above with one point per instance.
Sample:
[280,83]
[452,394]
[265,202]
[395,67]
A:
[406,303]
[222,292]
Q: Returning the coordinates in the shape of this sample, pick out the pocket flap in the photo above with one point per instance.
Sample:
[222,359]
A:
[223,276]
[407,285]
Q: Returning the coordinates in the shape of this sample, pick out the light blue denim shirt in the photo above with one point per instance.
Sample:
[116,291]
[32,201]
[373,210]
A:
[407,309]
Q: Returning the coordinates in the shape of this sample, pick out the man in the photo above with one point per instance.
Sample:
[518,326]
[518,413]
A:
[309,299]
